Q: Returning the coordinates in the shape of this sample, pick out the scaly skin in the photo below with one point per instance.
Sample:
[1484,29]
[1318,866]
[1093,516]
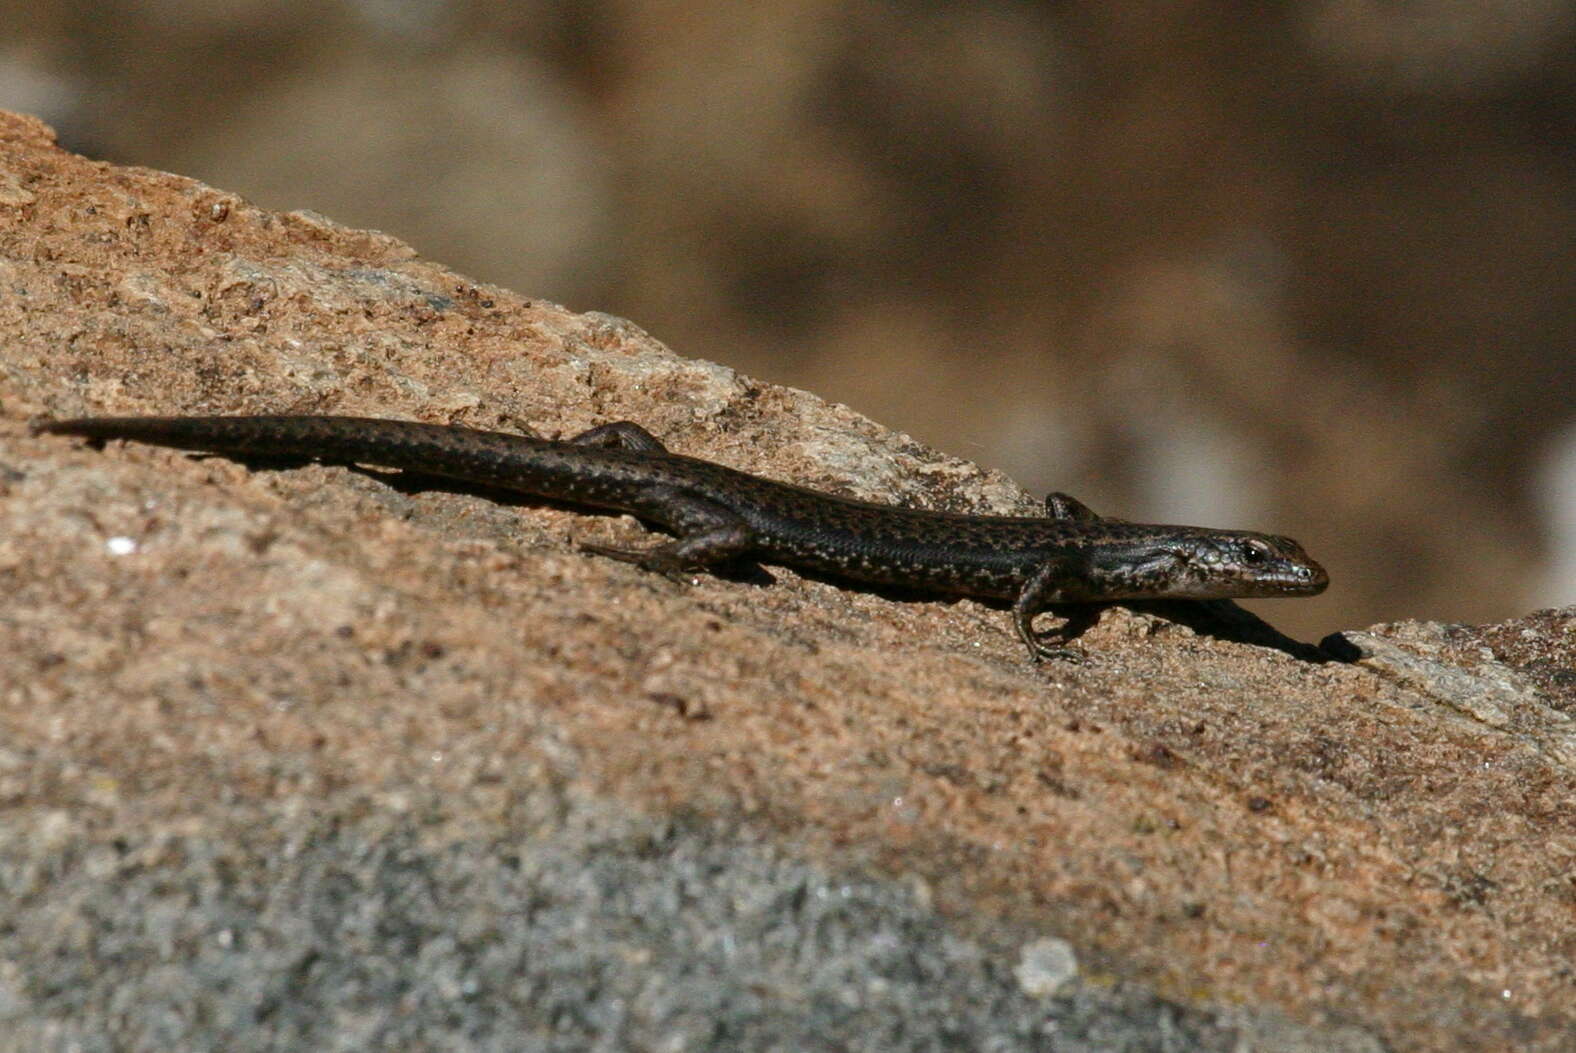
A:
[720,515]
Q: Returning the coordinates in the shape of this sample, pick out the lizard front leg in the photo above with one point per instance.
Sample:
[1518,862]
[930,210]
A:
[1044,587]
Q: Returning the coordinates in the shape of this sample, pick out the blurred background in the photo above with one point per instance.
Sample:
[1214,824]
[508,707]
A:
[1305,267]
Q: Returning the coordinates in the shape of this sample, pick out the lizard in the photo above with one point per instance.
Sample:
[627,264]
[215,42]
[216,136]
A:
[720,515]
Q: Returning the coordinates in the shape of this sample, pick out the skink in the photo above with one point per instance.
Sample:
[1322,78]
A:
[719,515]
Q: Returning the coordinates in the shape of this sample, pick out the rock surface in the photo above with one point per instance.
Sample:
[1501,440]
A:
[315,758]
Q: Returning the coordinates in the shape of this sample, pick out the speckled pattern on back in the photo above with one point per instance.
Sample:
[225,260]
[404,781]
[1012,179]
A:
[1092,559]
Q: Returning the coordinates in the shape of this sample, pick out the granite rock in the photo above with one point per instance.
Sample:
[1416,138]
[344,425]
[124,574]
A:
[319,757]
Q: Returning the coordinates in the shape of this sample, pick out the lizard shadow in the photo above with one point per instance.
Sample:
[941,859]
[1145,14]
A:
[1228,621]
[411,482]
[1217,619]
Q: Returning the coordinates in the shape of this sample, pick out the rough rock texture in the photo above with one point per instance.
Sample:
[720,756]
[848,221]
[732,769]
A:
[312,757]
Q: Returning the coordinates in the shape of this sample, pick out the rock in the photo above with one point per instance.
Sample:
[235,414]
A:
[294,755]
[1045,966]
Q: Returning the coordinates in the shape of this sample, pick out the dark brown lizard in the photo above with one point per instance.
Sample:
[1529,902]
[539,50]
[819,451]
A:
[720,515]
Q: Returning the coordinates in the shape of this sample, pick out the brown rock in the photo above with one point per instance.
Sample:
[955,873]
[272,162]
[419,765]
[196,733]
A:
[191,645]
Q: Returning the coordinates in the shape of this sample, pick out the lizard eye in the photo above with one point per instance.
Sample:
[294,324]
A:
[1255,552]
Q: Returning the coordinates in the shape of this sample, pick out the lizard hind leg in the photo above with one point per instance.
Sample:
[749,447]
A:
[620,435]
[708,535]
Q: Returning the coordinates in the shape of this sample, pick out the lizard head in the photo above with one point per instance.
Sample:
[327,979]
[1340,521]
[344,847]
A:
[1241,564]
[1191,563]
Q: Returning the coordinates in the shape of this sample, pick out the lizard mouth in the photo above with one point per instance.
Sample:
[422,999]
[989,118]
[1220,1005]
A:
[1274,578]
[1305,578]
